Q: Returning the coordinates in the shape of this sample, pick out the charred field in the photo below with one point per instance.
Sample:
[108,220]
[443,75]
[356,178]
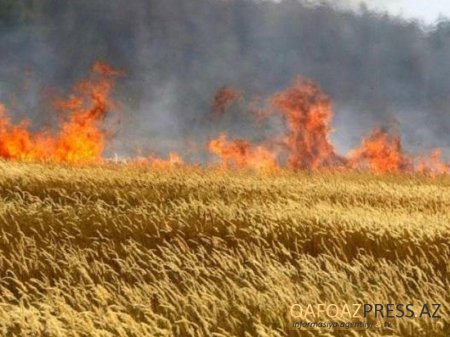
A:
[129,250]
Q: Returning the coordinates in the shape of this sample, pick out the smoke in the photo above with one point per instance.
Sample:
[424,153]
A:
[379,70]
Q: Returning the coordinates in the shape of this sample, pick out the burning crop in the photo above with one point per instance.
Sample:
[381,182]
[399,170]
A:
[305,144]
[79,138]
[239,153]
[307,114]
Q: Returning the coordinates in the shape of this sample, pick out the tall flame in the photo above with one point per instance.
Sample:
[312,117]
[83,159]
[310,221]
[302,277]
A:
[307,112]
[80,138]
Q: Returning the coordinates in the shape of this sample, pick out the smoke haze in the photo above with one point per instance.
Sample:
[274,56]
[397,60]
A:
[379,70]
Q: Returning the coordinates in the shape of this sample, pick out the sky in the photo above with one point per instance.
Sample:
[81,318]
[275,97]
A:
[427,11]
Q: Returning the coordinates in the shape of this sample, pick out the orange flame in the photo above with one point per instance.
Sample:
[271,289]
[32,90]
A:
[305,109]
[436,165]
[241,154]
[381,153]
[307,112]
[17,144]
[80,139]
[433,164]
[174,160]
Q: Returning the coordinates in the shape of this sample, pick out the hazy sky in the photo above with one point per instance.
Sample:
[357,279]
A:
[425,10]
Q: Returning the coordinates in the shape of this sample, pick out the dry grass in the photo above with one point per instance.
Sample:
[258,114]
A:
[122,251]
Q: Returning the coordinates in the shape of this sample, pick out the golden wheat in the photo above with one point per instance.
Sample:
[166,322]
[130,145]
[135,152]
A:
[117,250]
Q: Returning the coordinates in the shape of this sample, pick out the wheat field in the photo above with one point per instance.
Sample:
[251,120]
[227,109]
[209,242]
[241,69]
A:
[121,250]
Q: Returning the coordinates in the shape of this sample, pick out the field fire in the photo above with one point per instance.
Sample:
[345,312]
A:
[305,110]
[211,168]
